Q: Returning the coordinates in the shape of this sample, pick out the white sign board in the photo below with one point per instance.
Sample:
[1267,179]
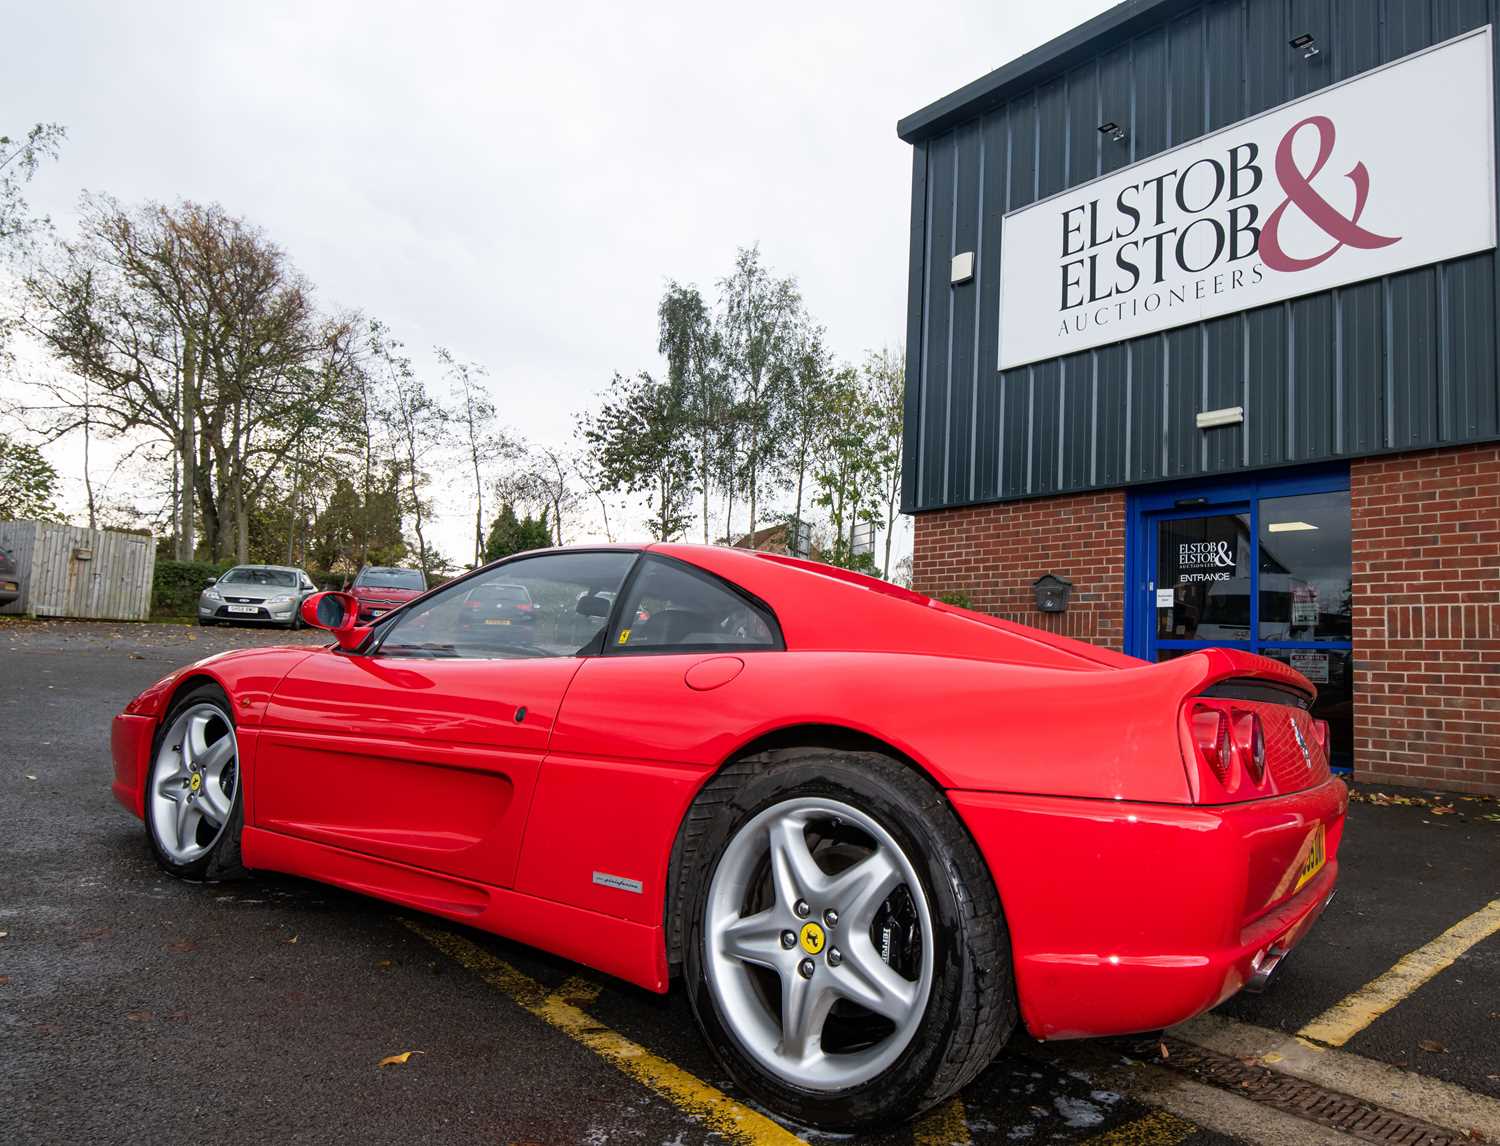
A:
[1389,170]
[1314,666]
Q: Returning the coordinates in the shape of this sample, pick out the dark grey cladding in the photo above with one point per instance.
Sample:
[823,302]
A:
[1398,363]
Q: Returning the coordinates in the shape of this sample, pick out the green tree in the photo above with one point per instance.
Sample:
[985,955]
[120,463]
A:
[845,471]
[510,534]
[760,317]
[693,348]
[885,387]
[28,483]
[641,442]
[19,160]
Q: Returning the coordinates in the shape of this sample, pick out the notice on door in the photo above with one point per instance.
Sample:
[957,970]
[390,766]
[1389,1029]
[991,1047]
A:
[1312,665]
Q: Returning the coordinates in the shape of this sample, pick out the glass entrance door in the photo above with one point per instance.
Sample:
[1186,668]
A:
[1262,566]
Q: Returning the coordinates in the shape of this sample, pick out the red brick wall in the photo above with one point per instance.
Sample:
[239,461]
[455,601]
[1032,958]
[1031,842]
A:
[992,553]
[1426,550]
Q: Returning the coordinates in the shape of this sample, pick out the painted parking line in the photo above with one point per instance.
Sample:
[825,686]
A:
[1346,1018]
[562,1009]
[1428,1099]
[1159,1128]
[945,1125]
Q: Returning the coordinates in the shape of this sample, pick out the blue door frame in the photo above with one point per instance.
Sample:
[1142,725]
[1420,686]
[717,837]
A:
[1147,507]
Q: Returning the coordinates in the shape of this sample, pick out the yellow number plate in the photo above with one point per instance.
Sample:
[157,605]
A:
[1317,855]
[496,621]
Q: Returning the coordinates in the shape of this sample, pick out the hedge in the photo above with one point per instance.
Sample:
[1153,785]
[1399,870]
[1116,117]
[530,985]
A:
[176,585]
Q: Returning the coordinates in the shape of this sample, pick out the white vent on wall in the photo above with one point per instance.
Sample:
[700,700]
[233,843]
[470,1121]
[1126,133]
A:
[963,268]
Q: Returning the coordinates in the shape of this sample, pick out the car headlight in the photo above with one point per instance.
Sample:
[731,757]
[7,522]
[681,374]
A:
[212,595]
[281,600]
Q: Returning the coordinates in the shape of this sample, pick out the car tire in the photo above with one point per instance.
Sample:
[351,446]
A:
[941,997]
[193,807]
[206,624]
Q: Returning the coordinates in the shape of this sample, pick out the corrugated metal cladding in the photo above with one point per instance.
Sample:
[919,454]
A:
[1403,362]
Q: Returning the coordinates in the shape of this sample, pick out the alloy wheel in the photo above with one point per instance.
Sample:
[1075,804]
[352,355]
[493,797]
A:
[194,778]
[818,943]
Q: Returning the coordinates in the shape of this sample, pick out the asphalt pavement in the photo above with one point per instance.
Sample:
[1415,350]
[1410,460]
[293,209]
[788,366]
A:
[137,1008]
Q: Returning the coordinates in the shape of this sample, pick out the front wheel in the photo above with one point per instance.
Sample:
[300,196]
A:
[194,813]
[844,946]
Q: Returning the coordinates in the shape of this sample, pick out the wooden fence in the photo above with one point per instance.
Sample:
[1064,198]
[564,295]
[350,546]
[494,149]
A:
[68,571]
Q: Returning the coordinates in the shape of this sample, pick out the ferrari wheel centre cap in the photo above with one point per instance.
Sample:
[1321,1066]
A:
[196,782]
[812,938]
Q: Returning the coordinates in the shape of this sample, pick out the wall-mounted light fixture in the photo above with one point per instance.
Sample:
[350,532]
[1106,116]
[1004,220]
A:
[1112,131]
[1228,416]
[1306,44]
[963,268]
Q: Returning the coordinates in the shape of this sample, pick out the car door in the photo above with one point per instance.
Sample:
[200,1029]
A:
[425,749]
[684,672]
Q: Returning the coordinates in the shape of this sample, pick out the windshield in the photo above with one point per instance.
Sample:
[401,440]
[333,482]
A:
[390,579]
[281,578]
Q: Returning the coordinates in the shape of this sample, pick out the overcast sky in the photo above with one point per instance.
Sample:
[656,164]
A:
[518,181]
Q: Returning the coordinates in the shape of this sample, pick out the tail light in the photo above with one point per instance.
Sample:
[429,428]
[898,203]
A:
[1232,743]
[1211,737]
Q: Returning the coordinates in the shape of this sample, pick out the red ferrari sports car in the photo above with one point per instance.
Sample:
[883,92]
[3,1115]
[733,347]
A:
[868,831]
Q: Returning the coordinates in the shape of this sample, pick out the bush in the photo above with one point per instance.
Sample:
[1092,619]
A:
[176,585]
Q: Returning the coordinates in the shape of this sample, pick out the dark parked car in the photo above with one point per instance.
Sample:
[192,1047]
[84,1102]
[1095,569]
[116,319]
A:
[10,585]
[381,588]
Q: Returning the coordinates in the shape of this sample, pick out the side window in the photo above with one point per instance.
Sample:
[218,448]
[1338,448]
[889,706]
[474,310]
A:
[671,607]
[551,606]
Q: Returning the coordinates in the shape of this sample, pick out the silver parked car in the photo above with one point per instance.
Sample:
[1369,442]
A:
[259,594]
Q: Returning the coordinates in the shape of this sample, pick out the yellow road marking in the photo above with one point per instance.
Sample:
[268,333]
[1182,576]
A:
[560,1008]
[943,1125]
[1159,1128]
[1346,1018]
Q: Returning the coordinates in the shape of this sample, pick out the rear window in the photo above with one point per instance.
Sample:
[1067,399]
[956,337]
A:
[391,579]
[504,594]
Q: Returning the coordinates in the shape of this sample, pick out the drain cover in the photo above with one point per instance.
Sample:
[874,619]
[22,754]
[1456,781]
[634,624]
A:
[1352,1116]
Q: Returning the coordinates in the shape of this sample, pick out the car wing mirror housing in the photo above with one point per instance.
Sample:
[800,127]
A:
[339,614]
[591,605]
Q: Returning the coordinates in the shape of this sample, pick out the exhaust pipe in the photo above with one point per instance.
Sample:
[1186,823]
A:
[1269,961]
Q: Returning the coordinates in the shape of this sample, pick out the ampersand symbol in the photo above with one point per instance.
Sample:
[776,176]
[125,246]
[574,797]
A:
[1299,192]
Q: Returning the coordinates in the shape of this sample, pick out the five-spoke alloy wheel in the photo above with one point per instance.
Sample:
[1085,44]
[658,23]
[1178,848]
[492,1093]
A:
[826,937]
[192,795]
[842,939]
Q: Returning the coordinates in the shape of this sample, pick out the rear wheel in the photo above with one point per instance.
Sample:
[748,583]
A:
[843,941]
[194,813]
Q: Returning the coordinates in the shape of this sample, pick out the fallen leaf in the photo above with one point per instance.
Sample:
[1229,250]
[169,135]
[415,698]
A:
[4,980]
[1161,1046]
[386,965]
[29,776]
[293,939]
[3,934]
[138,1016]
[1432,1047]
[397,1059]
[182,946]
[1442,810]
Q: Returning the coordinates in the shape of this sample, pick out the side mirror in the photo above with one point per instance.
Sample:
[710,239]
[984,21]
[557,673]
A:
[591,605]
[339,614]
[211,582]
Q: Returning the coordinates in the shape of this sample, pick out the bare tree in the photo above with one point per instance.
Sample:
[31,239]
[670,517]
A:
[419,427]
[474,420]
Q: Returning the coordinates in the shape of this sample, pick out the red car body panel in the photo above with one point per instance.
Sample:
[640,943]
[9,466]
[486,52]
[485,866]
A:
[1137,889]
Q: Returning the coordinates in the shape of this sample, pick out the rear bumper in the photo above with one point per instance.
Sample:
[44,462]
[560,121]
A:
[130,744]
[1132,917]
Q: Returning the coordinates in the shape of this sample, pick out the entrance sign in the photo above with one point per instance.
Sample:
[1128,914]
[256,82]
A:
[1386,171]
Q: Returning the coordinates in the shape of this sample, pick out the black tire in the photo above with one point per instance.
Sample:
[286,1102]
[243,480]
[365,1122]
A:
[206,624]
[222,860]
[971,1009]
